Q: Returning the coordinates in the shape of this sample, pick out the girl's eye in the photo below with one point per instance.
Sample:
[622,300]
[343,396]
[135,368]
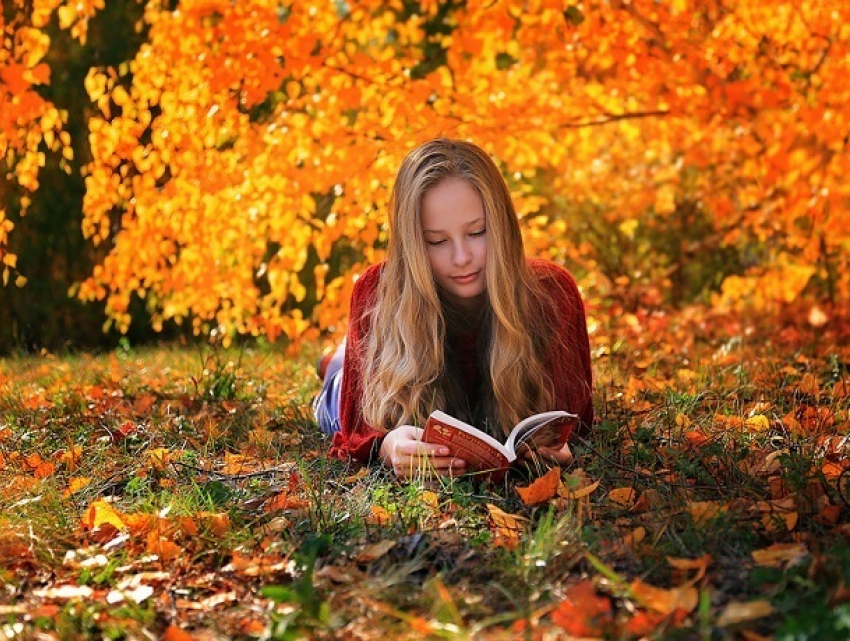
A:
[478,233]
[434,243]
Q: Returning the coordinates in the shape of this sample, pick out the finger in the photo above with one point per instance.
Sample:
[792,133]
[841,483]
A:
[407,467]
[561,457]
[418,448]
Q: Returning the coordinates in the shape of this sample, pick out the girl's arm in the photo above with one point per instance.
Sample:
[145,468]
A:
[569,359]
[356,439]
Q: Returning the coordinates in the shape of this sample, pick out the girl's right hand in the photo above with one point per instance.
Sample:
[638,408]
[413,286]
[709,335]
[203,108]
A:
[404,451]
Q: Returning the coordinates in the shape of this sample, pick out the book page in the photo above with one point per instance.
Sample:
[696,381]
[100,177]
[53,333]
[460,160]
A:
[541,430]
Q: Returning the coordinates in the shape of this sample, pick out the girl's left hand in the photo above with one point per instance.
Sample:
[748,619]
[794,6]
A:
[562,457]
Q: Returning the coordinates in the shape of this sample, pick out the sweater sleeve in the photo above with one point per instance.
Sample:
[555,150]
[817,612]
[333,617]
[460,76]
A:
[569,356]
[357,440]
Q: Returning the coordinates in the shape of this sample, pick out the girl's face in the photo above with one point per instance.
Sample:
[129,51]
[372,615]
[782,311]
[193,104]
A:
[454,226]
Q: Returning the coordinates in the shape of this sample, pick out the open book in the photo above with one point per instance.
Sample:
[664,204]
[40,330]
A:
[483,453]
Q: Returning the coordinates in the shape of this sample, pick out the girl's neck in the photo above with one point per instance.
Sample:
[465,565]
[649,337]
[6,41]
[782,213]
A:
[466,313]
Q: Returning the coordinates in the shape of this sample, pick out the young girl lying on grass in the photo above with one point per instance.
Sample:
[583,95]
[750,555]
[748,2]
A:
[457,318]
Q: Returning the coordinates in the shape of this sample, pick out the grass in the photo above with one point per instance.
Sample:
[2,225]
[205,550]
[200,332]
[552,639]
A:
[153,490]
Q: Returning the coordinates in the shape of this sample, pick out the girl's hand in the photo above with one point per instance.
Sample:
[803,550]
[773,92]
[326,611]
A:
[562,457]
[408,456]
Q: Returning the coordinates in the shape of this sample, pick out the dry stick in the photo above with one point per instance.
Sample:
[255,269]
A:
[238,477]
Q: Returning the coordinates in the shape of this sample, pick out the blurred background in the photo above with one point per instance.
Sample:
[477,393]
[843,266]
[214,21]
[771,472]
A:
[221,169]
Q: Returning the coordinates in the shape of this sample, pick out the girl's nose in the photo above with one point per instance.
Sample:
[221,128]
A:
[462,254]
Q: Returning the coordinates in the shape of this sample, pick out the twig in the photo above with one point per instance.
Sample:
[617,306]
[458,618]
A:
[238,477]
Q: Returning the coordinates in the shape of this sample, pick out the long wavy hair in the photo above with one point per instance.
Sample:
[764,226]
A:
[408,369]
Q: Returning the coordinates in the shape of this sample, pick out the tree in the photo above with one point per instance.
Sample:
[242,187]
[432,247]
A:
[241,160]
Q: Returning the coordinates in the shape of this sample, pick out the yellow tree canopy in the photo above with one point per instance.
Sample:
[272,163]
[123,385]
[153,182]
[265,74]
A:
[248,143]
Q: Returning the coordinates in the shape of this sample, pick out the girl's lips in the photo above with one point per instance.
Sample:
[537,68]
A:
[468,278]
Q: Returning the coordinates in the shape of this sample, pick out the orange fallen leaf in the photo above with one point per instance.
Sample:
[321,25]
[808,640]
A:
[283,501]
[70,458]
[45,470]
[665,600]
[174,633]
[378,515]
[779,554]
[583,613]
[158,457]
[643,624]
[542,489]
[166,550]
[218,523]
[684,566]
[703,511]
[623,496]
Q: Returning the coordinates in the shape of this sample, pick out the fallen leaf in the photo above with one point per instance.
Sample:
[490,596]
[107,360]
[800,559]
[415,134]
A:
[174,633]
[780,554]
[283,501]
[623,496]
[506,527]
[378,515]
[703,511]
[166,550]
[759,423]
[684,566]
[665,600]
[583,613]
[741,611]
[375,551]
[542,489]
[580,493]
[101,513]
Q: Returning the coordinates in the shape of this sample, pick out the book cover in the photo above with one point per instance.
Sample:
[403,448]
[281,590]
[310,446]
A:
[482,452]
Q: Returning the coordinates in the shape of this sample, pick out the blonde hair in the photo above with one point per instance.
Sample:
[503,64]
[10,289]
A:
[406,371]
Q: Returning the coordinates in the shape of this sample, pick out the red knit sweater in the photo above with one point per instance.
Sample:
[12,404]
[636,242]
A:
[568,362]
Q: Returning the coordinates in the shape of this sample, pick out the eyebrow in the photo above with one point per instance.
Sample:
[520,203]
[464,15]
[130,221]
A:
[471,223]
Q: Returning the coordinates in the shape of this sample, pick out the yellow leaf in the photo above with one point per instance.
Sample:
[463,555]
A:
[75,484]
[158,457]
[101,513]
[759,423]
[580,493]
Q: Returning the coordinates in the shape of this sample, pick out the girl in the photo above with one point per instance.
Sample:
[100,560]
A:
[457,318]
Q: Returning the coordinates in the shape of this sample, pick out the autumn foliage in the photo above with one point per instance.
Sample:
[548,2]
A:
[240,163]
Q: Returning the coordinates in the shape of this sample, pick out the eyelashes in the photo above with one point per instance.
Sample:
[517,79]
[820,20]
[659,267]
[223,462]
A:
[474,234]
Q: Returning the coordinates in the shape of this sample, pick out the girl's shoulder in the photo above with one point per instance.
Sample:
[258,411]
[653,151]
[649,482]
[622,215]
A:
[549,273]
[365,291]
[369,279]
